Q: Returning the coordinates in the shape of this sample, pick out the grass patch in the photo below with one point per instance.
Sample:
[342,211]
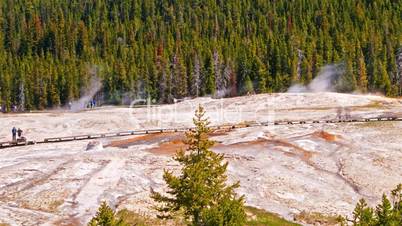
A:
[376,124]
[53,205]
[137,219]
[255,217]
[258,217]
[368,124]
[317,218]
[374,104]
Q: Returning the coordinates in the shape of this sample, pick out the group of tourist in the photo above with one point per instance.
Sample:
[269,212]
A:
[16,132]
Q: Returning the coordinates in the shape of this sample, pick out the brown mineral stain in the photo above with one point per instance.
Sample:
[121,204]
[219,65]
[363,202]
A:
[169,143]
[325,135]
[168,148]
[146,139]
[272,145]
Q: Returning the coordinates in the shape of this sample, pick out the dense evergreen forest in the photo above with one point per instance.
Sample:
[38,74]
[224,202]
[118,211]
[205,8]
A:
[165,49]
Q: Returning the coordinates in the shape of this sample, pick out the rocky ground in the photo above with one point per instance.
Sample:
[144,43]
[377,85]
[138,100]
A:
[284,169]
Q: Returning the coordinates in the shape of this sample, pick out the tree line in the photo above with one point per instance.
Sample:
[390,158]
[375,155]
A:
[166,49]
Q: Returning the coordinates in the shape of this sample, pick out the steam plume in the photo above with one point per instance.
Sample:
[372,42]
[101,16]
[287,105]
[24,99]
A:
[326,80]
[94,86]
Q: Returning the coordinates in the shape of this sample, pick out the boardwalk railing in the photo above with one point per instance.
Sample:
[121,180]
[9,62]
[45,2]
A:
[170,130]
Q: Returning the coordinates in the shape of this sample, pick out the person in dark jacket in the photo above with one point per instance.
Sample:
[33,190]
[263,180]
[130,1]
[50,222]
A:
[19,132]
[14,132]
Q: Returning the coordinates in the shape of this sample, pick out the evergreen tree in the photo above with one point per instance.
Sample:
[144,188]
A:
[248,86]
[347,82]
[384,211]
[200,191]
[208,77]
[362,74]
[386,214]
[363,215]
[106,217]
[384,83]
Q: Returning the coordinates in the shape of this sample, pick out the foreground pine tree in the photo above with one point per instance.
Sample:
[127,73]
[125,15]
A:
[200,192]
[106,217]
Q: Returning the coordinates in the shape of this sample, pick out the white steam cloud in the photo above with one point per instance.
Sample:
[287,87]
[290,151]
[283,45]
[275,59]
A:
[221,93]
[94,87]
[325,81]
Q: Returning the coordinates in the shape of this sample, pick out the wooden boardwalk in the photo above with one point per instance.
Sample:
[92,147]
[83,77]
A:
[170,130]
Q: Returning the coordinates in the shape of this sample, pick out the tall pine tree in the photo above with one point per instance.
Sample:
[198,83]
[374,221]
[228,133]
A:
[200,192]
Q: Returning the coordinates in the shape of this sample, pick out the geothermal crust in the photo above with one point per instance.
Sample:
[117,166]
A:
[285,169]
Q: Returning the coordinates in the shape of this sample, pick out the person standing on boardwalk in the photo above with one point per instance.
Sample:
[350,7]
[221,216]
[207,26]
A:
[19,132]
